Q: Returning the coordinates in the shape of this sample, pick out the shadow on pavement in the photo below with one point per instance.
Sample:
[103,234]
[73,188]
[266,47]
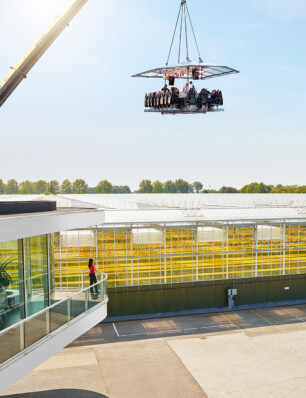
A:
[62,393]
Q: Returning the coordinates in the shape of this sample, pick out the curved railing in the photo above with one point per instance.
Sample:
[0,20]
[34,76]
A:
[29,331]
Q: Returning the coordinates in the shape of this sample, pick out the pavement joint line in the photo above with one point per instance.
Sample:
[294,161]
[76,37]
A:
[232,322]
[296,316]
[116,331]
[266,320]
[170,331]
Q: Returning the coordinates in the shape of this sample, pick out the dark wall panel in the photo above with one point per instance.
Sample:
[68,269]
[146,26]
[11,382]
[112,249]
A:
[194,296]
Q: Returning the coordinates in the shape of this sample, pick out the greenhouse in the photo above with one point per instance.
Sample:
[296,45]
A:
[168,253]
[139,254]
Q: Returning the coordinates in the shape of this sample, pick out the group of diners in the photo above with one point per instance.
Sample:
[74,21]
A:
[169,97]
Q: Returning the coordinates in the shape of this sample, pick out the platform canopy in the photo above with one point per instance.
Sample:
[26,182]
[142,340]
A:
[190,70]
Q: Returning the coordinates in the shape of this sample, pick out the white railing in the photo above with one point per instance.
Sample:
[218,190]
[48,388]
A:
[29,331]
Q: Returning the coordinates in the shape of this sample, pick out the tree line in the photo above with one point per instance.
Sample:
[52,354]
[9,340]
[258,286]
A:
[181,186]
[42,187]
[79,186]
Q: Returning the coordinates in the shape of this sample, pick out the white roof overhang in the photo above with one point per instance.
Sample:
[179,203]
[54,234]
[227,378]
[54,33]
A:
[27,225]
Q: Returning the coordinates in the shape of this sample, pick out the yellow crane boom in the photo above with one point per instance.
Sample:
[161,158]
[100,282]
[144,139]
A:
[20,71]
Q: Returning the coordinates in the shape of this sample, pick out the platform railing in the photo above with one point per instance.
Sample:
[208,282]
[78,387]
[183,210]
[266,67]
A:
[33,329]
[71,278]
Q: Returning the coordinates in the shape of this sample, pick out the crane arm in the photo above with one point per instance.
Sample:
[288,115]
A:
[20,71]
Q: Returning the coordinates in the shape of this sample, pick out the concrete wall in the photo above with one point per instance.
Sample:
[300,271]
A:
[202,295]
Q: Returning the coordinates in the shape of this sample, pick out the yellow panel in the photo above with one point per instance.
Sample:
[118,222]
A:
[302,237]
[241,239]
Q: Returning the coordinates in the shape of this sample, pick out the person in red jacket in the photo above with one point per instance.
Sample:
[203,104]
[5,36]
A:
[92,275]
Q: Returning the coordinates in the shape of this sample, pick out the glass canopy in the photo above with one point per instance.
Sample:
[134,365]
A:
[191,70]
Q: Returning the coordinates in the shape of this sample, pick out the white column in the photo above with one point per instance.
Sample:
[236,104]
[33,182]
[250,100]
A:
[132,270]
[165,254]
[284,248]
[227,251]
[197,252]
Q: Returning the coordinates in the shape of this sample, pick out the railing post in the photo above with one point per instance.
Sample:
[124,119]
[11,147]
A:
[48,322]
[82,279]
[22,337]
[68,310]
[86,300]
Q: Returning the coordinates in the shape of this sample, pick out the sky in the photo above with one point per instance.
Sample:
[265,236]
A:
[79,114]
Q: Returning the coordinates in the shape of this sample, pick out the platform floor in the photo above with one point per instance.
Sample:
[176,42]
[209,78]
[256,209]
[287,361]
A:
[249,353]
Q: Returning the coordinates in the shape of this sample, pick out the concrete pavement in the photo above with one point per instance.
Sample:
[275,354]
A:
[236,354]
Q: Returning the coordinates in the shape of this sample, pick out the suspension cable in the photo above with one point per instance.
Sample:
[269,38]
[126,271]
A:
[195,39]
[186,33]
[180,43]
[174,35]
[183,15]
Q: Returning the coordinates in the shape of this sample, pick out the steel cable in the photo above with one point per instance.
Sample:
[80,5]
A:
[195,39]
[173,35]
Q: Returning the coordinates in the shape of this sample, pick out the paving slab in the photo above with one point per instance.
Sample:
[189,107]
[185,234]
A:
[71,370]
[147,369]
[237,366]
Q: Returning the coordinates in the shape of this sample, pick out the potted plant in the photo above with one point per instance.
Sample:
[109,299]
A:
[5,279]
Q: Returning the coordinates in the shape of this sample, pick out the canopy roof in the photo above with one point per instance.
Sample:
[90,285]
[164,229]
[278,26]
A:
[188,70]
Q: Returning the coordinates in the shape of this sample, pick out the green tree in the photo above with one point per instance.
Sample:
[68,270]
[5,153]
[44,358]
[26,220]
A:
[158,187]
[145,186]
[256,187]
[79,186]
[54,187]
[26,187]
[66,187]
[121,189]
[12,187]
[2,187]
[228,190]
[181,186]
[301,189]
[104,187]
[197,186]
[169,187]
[41,187]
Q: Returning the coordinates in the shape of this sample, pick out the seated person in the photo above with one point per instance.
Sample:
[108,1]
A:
[175,91]
[192,96]
[204,98]
[191,85]
[185,89]
[165,89]
[216,97]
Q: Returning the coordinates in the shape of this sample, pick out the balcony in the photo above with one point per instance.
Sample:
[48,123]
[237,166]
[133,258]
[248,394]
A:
[73,310]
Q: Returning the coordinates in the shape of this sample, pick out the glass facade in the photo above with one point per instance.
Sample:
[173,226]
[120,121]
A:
[147,254]
[35,298]
[26,280]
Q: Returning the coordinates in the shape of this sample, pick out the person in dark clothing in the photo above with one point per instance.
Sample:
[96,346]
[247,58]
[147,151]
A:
[92,275]
[165,89]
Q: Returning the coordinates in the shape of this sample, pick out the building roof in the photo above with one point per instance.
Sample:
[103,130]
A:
[163,208]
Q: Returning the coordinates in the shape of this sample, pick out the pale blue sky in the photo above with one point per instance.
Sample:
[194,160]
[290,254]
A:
[79,114]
